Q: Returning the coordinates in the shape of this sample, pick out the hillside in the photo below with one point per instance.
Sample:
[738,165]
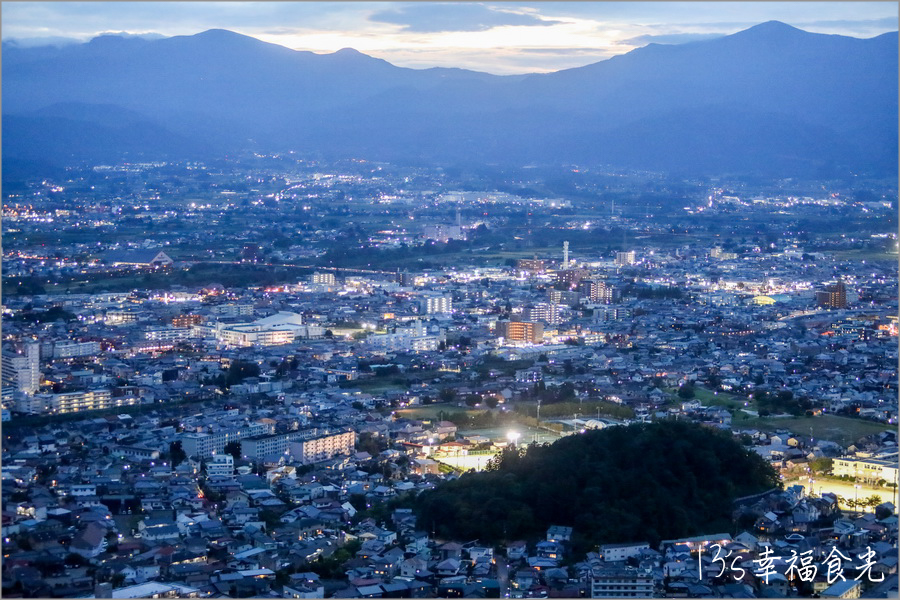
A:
[638,482]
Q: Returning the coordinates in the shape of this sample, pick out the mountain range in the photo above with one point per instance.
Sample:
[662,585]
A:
[771,100]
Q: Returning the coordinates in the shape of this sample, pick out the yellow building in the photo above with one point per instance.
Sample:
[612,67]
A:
[867,469]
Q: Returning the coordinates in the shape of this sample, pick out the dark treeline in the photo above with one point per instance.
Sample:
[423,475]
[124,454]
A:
[639,482]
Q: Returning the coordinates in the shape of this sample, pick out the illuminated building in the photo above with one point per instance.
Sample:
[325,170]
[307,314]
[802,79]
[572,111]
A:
[187,320]
[23,371]
[520,331]
[543,311]
[571,277]
[623,259]
[833,296]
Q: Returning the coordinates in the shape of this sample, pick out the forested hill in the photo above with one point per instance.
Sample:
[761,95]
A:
[642,482]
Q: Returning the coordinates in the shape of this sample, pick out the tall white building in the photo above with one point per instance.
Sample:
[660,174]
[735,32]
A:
[323,278]
[23,371]
[438,305]
[543,311]
[625,258]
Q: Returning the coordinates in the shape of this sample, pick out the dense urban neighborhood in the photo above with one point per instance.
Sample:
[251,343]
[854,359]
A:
[239,379]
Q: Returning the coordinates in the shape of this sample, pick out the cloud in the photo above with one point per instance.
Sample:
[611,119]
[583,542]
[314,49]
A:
[437,17]
[853,24]
[565,51]
[487,35]
[35,42]
[145,36]
[669,38]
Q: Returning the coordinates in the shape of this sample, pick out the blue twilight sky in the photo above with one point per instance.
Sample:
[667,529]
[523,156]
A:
[497,37]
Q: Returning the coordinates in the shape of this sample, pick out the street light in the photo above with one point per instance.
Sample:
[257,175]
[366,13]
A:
[512,436]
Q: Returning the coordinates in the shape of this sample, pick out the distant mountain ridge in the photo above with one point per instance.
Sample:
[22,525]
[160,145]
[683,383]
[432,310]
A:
[771,100]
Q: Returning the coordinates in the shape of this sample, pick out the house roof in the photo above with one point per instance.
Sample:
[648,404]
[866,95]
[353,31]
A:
[92,535]
[839,588]
[137,257]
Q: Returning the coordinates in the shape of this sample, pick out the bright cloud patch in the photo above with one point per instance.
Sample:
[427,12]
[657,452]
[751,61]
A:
[432,18]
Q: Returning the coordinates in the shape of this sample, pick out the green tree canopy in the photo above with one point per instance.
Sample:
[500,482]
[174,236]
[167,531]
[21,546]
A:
[643,481]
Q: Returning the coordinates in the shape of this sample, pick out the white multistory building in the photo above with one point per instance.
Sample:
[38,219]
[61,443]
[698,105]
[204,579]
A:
[69,349]
[221,465]
[207,444]
[257,448]
[323,279]
[23,371]
[72,402]
[417,338]
[623,259]
[233,310]
[323,447]
[547,312]
[167,334]
[438,305]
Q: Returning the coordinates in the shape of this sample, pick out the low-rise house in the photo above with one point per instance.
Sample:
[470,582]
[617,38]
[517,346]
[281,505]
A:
[90,542]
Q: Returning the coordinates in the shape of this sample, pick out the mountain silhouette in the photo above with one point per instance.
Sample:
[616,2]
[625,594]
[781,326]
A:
[772,100]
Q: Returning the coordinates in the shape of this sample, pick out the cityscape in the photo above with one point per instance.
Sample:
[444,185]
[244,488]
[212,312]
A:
[283,373]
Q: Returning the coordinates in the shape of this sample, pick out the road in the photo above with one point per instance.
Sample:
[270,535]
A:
[294,266]
[503,576]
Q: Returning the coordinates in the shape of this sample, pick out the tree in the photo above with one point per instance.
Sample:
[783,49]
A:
[820,465]
[234,449]
[358,501]
[240,370]
[687,476]
[75,560]
[176,453]
[785,396]
[369,442]
[686,392]
[270,518]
